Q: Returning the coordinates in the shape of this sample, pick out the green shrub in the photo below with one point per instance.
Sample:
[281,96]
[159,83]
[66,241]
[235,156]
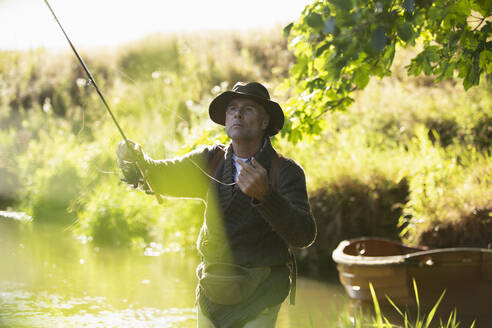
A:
[11,186]
[450,197]
[117,217]
[55,192]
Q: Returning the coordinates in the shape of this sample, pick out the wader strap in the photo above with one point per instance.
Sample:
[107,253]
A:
[293,277]
[215,159]
[274,176]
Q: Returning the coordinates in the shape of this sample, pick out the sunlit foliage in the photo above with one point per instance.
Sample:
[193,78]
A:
[339,45]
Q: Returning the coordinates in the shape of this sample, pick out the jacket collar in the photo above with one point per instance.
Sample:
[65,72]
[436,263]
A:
[228,192]
[264,155]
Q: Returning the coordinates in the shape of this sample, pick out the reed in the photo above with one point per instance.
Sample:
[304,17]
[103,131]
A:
[422,320]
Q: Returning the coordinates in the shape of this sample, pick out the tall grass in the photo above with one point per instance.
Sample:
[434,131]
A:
[376,315]
[421,320]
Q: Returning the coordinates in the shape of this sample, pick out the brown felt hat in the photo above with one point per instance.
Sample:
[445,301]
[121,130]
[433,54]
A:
[254,91]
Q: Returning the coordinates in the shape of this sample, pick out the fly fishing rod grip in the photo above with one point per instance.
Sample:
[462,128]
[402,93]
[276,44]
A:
[148,185]
[142,173]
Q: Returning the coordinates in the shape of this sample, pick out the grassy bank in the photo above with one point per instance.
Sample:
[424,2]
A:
[57,142]
[409,158]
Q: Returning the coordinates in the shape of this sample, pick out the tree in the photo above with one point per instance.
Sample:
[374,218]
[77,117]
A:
[341,44]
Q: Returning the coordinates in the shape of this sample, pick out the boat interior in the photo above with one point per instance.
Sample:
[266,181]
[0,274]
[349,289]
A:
[379,247]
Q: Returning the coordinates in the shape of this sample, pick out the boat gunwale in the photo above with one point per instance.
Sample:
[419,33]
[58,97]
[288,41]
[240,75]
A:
[363,260]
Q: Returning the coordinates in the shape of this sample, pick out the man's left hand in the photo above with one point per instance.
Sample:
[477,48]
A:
[253,180]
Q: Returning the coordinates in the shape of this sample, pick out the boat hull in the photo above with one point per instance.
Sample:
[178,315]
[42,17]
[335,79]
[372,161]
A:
[463,274]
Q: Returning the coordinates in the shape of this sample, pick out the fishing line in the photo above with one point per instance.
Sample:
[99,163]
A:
[165,107]
[161,101]
[84,66]
[125,75]
[192,161]
[93,82]
[211,177]
[107,172]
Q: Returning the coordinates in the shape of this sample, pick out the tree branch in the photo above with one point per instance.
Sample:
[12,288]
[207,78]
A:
[481,22]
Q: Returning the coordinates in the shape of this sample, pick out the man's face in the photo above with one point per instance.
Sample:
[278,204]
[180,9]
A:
[245,120]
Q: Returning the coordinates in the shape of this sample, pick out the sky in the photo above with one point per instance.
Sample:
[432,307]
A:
[28,24]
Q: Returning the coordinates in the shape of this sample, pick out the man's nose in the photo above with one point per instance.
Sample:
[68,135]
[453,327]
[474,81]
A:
[238,112]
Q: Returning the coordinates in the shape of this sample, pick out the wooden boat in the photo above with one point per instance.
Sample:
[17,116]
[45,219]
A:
[464,273]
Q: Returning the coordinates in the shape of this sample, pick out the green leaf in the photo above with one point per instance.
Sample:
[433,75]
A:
[415,66]
[417,298]
[315,21]
[286,30]
[482,6]
[342,4]
[485,61]
[361,78]
[378,39]
[405,31]
[433,311]
[461,9]
[377,309]
[463,67]
[296,40]
[472,78]
[432,53]
[394,306]
[389,55]
[300,67]
[446,70]
[426,66]
[449,70]
[320,49]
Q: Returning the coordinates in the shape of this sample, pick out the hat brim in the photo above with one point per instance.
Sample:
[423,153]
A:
[218,106]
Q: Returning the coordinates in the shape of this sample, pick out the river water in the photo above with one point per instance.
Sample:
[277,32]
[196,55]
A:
[48,278]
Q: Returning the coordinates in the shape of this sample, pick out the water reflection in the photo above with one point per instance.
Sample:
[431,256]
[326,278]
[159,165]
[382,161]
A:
[25,309]
[48,279]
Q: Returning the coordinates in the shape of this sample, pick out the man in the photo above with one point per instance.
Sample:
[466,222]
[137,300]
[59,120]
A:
[257,209]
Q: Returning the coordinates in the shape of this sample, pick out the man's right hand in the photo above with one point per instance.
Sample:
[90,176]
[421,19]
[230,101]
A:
[129,151]
[128,154]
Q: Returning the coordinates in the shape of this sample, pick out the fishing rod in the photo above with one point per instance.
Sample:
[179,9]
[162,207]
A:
[93,82]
